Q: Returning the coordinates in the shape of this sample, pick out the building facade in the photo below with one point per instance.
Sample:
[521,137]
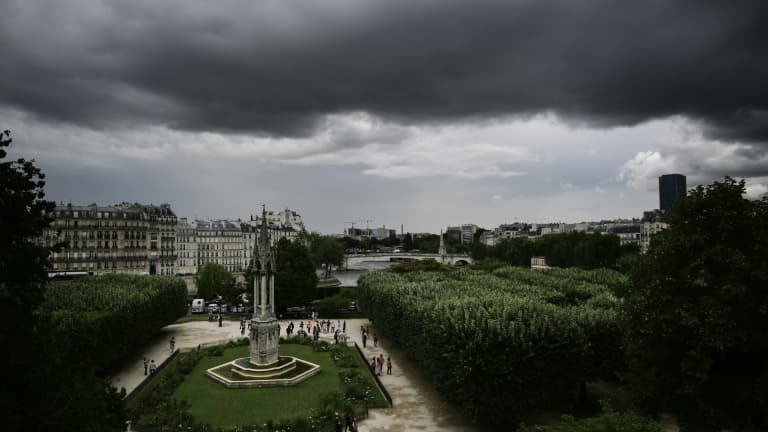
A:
[230,243]
[628,234]
[671,187]
[98,240]
[651,223]
[219,242]
[161,241]
[186,248]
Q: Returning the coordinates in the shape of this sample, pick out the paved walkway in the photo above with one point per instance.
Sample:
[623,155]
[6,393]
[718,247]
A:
[416,405]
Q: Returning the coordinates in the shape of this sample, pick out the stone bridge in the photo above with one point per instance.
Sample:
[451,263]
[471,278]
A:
[352,260]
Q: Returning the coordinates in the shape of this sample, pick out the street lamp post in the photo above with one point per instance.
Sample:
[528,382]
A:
[219,311]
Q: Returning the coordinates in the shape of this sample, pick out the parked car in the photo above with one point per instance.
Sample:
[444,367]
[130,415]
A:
[296,312]
[214,307]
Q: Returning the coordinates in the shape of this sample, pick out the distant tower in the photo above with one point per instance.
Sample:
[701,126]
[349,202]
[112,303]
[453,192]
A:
[671,187]
[265,331]
[441,250]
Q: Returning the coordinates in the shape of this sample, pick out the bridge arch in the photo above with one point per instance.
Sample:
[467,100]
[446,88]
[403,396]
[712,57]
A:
[351,260]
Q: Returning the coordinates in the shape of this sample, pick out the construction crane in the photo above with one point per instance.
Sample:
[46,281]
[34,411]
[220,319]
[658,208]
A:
[352,224]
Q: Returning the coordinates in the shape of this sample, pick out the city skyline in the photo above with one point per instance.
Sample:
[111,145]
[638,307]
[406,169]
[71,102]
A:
[487,112]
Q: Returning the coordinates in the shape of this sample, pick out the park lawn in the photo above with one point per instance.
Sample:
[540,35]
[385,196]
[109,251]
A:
[219,406]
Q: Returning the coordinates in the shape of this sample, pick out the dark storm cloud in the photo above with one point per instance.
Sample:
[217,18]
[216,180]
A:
[274,67]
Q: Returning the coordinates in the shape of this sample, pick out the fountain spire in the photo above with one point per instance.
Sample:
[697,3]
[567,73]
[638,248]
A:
[265,331]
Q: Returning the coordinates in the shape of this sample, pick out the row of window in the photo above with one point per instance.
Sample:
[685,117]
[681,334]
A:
[98,265]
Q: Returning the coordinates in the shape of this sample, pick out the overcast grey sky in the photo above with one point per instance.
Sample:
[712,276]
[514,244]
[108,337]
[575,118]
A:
[422,113]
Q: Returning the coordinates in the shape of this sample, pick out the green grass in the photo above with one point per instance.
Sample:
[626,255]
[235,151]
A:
[213,403]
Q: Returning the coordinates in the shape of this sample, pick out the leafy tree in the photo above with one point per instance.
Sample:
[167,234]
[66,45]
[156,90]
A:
[215,280]
[408,242]
[517,251]
[429,243]
[697,314]
[347,242]
[295,280]
[42,389]
[328,252]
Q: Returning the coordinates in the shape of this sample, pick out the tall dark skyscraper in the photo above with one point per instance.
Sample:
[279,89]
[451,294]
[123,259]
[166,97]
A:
[671,186]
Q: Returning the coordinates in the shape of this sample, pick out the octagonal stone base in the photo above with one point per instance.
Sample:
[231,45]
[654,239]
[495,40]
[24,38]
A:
[241,373]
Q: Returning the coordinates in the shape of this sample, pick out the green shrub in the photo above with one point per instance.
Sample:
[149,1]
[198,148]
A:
[420,266]
[107,318]
[608,421]
[500,344]
[329,306]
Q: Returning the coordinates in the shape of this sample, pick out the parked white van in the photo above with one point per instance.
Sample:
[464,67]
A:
[198,306]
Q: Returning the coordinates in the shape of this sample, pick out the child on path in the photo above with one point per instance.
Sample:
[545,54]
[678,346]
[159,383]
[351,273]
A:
[375,340]
[389,365]
[172,343]
[152,367]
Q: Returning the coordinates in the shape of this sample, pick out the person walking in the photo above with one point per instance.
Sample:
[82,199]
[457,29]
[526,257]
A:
[389,365]
[344,326]
[152,367]
[172,342]
[146,365]
[365,339]
[375,340]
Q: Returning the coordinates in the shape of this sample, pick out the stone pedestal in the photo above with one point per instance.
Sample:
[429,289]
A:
[265,336]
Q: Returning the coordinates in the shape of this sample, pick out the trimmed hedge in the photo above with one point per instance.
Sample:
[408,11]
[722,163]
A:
[499,344]
[106,318]
[608,421]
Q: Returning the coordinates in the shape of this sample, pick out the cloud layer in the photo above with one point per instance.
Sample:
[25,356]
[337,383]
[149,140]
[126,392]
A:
[279,67]
[433,112]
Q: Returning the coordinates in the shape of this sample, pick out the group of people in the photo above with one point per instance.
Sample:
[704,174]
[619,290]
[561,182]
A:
[340,337]
[317,327]
[243,324]
[150,367]
[350,423]
[377,364]
[364,336]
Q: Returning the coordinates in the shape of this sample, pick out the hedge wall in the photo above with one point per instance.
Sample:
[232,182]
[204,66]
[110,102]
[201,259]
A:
[106,318]
[499,344]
